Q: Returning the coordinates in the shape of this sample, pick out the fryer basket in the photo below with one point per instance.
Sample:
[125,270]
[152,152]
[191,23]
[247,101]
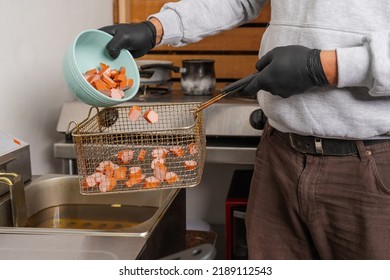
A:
[100,140]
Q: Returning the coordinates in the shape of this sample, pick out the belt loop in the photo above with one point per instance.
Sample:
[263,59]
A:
[362,150]
[318,146]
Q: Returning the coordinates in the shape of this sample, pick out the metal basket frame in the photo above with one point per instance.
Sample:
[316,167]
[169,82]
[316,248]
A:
[101,137]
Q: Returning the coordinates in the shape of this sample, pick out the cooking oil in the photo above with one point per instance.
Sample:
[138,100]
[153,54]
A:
[94,217]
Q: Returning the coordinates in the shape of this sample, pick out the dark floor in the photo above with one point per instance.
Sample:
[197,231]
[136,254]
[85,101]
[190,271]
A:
[220,241]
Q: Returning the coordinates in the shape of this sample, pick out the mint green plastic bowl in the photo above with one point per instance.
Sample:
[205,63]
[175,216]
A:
[86,52]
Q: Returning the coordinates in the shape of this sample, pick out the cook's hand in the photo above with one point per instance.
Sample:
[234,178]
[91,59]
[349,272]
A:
[137,38]
[286,71]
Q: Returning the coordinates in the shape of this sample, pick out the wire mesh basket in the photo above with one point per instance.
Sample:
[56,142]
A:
[117,153]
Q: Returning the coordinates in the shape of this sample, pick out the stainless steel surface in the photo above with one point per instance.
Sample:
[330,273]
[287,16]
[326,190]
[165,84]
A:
[17,198]
[29,246]
[157,74]
[142,241]
[54,190]
[215,153]
[14,158]
[228,117]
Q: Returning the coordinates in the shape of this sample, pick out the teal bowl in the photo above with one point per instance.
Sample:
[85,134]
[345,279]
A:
[86,52]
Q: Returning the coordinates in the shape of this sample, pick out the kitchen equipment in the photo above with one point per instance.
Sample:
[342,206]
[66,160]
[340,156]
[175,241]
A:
[199,77]
[17,197]
[14,158]
[102,139]
[63,224]
[235,212]
[229,89]
[157,72]
[178,136]
[86,52]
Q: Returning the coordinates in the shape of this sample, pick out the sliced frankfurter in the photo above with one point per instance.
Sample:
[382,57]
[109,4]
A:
[104,68]
[117,93]
[134,181]
[141,155]
[134,113]
[113,73]
[192,149]
[101,86]
[177,151]
[160,170]
[103,163]
[112,183]
[128,83]
[91,71]
[151,116]
[125,156]
[108,170]
[157,160]
[97,176]
[135,172]
[103,185]
[190,164]
[120,78]
[120,173]
[159,153]
[110,82]
[107,184]
[151,182]
[89,182]
[171,177]
[92,78]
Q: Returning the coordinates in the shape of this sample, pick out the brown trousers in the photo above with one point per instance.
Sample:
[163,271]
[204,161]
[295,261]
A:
[318,207]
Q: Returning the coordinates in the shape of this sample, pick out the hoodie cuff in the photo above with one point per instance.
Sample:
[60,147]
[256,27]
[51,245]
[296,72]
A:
[173,30]
[354,67]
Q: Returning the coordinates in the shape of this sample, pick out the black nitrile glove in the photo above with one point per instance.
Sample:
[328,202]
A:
[286,71]
[137,38]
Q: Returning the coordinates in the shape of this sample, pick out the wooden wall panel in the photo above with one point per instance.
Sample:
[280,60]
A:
[138,10]
[226,66]
[238,39]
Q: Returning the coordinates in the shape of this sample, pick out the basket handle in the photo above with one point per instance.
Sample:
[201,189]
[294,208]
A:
[231,88]
[68,131]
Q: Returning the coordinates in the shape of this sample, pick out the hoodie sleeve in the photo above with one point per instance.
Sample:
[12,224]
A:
[367,65]
[189,21]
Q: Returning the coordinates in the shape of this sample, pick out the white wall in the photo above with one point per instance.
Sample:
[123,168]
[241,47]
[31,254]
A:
[34,37]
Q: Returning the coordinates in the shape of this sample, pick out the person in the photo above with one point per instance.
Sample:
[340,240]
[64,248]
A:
[321,184]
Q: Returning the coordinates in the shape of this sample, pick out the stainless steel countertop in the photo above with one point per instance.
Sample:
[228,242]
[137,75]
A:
[67,246]
[47,247]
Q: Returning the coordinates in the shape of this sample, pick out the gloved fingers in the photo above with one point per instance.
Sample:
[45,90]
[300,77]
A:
[115,46]
[251,88]
[264,61]
[137,53]
[110,29]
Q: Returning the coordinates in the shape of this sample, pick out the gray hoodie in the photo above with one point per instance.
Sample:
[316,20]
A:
[359,107]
